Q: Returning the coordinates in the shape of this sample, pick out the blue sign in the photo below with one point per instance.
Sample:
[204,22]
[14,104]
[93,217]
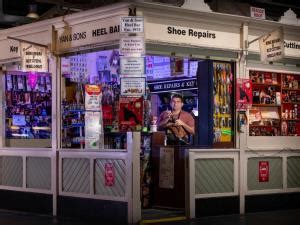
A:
[173,85]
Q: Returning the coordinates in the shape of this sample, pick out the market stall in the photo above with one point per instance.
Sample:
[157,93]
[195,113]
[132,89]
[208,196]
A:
[27,145]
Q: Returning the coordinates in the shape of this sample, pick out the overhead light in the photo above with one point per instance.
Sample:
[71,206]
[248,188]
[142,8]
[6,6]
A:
[32,12]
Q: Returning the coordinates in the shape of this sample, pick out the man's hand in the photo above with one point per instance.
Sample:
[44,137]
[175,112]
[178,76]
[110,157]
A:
[180,123]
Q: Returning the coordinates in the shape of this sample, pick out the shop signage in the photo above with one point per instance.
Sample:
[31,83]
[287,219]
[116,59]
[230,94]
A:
[109,174]
[243,94]
[272,46]
[166,168]
[92,97]
[291,47]
[132,86]
[178,85]
[87,33]
[93,130]
[132,46]
[258,13]
[132,24]
[263,171]
[9,49]
[34,58]
[130,113]
[132,65]
[192,36]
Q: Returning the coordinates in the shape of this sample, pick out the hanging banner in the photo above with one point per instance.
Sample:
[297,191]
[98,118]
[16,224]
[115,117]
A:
[263,171]
[133,86]
[92,97]
[243,94]
[166,168]
[109,175]
[92,130]
[132,24]
[132,66]
[272,46]
[34,58]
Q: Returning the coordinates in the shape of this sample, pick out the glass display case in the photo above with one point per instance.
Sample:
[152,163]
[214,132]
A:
[28,108]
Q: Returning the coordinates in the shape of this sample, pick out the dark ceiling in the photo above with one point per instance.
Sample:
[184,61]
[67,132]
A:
[13,12]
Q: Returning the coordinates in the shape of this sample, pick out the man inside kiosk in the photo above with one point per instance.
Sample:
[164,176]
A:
[178,124]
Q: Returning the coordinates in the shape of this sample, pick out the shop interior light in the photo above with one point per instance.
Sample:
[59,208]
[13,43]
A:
[41,128]
[20,135]
[32,12]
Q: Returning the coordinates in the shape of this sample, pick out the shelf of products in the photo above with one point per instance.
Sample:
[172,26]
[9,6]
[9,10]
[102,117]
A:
[276,99]
[28,105]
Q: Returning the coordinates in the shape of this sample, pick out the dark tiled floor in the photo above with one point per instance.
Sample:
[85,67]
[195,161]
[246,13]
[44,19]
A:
[289,217]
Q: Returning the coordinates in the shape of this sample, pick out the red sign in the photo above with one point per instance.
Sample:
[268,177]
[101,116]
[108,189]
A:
[243,93]
[109,174]
[263,171]
[130,114]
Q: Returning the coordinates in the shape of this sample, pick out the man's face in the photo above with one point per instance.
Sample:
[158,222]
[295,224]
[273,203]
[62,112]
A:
[176,103]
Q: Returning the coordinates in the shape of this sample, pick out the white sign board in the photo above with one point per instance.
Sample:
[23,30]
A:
[132,46]
[132,24]
[133,86]
[272,46]
[132,66]
[258,13]
[34,58]
[87,33]
[93,130]
[166,168]
[195,36]
[291,47]
[9,49]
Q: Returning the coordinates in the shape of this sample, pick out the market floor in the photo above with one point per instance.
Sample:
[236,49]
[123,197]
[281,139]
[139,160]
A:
[288,217]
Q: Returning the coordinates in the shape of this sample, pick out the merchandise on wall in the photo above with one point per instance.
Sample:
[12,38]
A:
[276,100]
[223,103]
[28,105]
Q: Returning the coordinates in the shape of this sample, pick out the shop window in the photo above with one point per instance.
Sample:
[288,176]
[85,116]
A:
[223,104]
[90,101]
[100,119]
[275,108]
[28,109]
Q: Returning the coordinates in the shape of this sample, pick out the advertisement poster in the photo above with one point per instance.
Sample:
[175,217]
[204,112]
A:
[109,175]
[166,168]
[130,114]
[93,130]
[243,93]
[133,86]
[272,46]
[263,171]
[92,97]
[34,58]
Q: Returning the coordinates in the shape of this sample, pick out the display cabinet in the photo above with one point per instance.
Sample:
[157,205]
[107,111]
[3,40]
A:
[28,108]
[275,105]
